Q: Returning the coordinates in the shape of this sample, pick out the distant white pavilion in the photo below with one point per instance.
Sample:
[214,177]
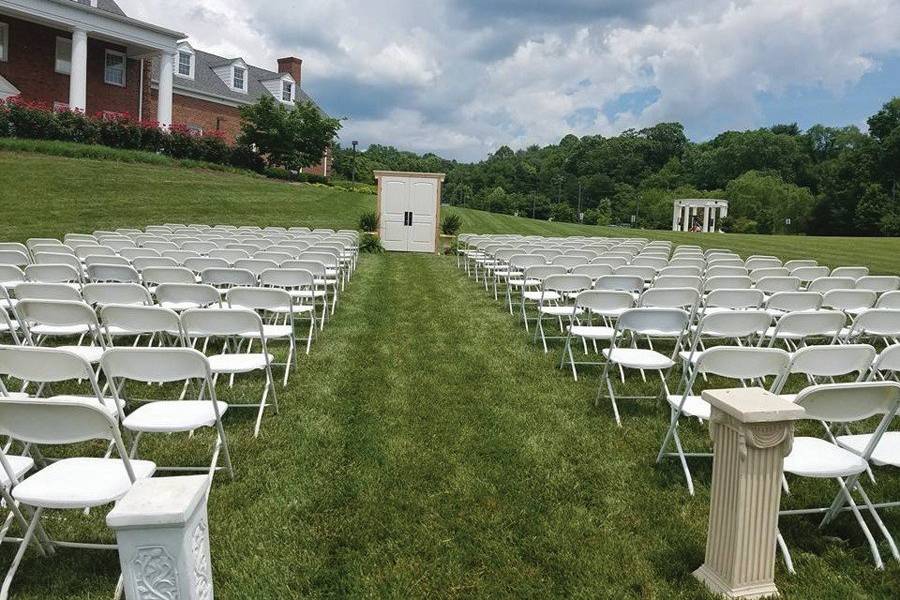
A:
[699,215]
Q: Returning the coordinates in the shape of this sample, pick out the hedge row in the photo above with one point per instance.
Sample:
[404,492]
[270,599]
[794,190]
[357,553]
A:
[31,120]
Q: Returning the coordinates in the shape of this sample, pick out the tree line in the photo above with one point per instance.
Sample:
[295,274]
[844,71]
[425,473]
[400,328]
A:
[780,179]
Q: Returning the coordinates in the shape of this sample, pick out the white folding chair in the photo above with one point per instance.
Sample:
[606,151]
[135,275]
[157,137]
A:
[301,286]
[43,319]
[842,404]
[781,303]
[101,294]
[169,365]
[877,324]
[826,284]
[635,324]
[99,273]
[75,483]
[878,283]
[795,329]
[229,324]
[274,304]
[182,296]
[557,301]
[604,305]
[821,364]
[744,364]
[851,272]
[161,324]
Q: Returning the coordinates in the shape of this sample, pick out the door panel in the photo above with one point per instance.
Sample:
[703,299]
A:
[394,205]
[422,202]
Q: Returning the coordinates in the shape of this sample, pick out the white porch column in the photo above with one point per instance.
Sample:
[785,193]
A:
[705,219]
[78,73]
[164,99]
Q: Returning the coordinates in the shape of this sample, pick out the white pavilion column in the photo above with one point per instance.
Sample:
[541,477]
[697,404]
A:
[78,72]
[686,220]
[676,213]
[705,219]
[164,99]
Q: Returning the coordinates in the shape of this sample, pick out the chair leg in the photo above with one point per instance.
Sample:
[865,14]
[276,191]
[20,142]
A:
[788,563]
[225,453]
[683,459]
[23,545]
[884,530]
[873,547]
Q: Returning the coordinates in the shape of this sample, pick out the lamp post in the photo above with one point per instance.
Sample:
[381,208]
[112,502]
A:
[354,143]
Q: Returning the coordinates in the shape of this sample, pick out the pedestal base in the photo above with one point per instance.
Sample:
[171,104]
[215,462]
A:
[715,585]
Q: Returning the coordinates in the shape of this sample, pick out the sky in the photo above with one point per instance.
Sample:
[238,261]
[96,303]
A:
[462,77]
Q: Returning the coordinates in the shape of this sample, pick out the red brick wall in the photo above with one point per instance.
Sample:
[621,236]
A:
[32,62]
[209,116]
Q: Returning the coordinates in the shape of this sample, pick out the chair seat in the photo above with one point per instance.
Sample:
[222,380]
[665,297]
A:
[238,363]
[181,306]
[611,312]
[559,311]
[91,354]
[814,457]
[686,356]
[80,482]
[638,358]
[307,293]
[59,330]
[592,332]
[272,332]
[537,295]
[519,282]
[19,465]
[887,452]
[109,404]
[694,406]
[173,415]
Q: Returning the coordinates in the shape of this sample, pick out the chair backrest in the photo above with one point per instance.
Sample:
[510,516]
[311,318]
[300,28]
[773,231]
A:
[133,253]
[736,325]
[541,272]
[101,294]
[793,264]
[678,281]
[879,322]
[604,301]
[825,284]
[729,271]
[808,274]
[106,259]
[58,313]
[228,277]
[794,301]
[161,275]
[674,297]
[728,283]
[744,363]
[83,251]
[821,323]
[888,360]
[223,322]
[259,298]
[140,320]
[762,262]
[287,278]
[196,294]
[851,272]
[734,299]
[149,262]
[849,402]
[758,274]
[653,321]
[645,273]
[330,261]
[849,300]
[43,365]
[612,261]
[886,300]
[156,365]
[201,263]
[520,262]
[878,283]
[57,273]
[567,261]
[626,283]
[775,284]
[566,284]
[833,361]
[47,291]
[10,275]
[113,273]
[16,258]
[592,271]
[680,271]
[230,255]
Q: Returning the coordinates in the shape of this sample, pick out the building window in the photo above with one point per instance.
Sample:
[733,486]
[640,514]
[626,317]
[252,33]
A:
[239,76]
[114,73]
[287,91]
[4,42]
[186,64]
[63,56]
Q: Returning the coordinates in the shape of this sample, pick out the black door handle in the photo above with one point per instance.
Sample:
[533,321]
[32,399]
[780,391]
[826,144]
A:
[410,218]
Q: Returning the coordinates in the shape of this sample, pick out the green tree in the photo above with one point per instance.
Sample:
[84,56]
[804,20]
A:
[292,138]
[886,120]
[769,201]
[874,206]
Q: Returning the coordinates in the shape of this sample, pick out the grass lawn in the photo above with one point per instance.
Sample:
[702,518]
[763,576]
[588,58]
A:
[426,447]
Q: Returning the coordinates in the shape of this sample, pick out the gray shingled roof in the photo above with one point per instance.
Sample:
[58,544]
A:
[107,5]
[206,81]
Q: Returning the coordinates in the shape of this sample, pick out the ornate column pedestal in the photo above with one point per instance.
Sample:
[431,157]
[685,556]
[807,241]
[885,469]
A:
[163,537]
[752,432]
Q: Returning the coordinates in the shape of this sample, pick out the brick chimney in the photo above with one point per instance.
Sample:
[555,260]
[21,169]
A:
[291,65]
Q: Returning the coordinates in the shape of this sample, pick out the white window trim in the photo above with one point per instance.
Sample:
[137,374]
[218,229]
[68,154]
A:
[56,68]
[4,47]
[124,67]
[178,72]
[293,90]
[234,69]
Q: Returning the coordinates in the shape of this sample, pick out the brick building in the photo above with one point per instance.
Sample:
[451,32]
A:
[89,55]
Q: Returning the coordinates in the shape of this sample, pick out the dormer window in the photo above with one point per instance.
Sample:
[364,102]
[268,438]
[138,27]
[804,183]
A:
[185,64]
[287,91]
[239,79]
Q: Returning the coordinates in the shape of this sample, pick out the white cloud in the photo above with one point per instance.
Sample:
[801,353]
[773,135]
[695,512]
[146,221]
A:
[455,80]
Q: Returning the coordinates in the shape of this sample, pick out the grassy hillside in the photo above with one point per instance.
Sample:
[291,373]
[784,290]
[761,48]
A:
[51,195]
[455,461]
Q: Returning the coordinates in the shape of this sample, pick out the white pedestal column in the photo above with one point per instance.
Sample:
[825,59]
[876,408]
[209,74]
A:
[163,537]
[752,432]
[78,72]
[164,99]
